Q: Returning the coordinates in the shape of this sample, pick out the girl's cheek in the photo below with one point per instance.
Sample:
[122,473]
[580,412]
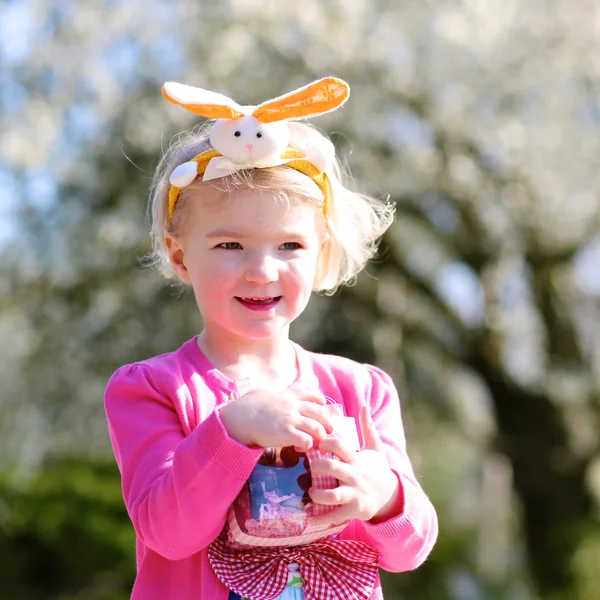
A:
[228,265]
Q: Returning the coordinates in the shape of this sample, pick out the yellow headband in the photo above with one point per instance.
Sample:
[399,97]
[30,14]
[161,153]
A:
[290,158]
[254,137]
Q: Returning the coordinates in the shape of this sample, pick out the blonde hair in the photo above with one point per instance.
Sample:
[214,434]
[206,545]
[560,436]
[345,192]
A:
[355,222]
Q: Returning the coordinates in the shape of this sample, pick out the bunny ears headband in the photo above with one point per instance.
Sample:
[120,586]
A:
[251,137]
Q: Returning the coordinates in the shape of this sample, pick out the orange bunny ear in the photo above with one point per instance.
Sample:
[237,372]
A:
[314,99]
[202,102]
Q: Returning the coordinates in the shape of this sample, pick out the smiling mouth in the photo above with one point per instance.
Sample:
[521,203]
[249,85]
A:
[258,301]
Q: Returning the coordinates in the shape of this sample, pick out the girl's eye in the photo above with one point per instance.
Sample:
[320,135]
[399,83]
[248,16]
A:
[291,246]
[259,135]
[229,246]
[237,133]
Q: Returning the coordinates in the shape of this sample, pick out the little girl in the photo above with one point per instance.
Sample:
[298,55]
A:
[250,212]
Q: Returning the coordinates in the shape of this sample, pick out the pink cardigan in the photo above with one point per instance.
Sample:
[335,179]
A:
[181,471]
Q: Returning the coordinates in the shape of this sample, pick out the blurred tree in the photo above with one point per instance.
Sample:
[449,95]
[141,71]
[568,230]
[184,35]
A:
[67,535]
[479,118]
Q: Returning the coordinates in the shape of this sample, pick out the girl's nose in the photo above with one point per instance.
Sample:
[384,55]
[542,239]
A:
[262,270]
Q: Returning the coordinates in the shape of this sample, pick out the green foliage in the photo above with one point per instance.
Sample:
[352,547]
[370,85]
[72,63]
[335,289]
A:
[66,535]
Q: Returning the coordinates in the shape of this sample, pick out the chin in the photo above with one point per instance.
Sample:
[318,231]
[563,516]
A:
[263,333]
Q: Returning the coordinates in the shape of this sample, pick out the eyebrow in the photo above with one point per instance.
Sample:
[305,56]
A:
[221,233]
[218,233]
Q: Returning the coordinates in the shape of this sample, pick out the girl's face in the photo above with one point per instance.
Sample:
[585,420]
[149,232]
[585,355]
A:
[250,259]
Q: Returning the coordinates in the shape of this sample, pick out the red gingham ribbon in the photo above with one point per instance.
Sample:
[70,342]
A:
[331,570]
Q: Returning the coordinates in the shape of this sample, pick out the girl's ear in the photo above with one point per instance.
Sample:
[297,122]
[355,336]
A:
[314,99]
[177,257]
[323,261]
[326,238]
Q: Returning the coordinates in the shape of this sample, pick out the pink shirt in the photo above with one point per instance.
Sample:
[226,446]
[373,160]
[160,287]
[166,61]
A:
[181,471]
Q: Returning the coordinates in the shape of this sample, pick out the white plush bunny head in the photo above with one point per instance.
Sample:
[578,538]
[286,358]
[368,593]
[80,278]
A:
[248,140]
[255,134]
[247,137]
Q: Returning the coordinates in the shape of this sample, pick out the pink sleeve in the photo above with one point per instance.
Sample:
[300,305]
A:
[405,540]
[177,489]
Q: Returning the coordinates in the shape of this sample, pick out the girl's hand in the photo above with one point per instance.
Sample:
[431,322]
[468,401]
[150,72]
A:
[291,417]
[368,487]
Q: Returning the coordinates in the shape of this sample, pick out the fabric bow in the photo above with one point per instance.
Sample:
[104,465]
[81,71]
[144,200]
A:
[331,570]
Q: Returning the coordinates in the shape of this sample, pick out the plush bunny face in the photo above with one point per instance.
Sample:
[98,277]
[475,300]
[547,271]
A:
[248,140]
[248,137]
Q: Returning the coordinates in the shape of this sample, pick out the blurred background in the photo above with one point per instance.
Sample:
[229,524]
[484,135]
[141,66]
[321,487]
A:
[480,119]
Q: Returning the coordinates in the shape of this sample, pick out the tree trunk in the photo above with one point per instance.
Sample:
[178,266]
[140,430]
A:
[549,478]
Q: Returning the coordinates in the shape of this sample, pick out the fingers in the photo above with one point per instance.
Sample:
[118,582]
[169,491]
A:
[312,427]
[301,440]
[370,435]
[335,517]
[314,404]
[349,506]
[339,495]
[318,413]
[338,447]
[333,468]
